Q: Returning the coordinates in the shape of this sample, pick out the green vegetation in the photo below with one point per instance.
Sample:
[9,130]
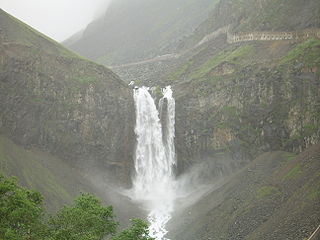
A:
[309,130]
[138,231]
[292,173]
[83,79]
[34,169]
[181,70]
[158,92]
[233,56]
[23,218]
[289,156]
[307,53]
[20,211]
[230,111]
[266,191]
[314,194]
[306,131]
[270,15]
[86,219]
[229,118]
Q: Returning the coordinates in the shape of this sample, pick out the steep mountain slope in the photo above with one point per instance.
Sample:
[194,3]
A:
[54,178]
[15,31]
[243,100]
[275,197]
[249,97]
[52,99]
[232,99]
[58,181]
[258,15]
[132,30]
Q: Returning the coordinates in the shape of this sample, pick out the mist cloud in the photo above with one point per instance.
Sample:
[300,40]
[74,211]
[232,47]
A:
[57,19]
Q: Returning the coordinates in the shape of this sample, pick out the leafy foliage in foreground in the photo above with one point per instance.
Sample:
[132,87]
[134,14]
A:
[22,217]
[20,210]
[86,219]
[138,231]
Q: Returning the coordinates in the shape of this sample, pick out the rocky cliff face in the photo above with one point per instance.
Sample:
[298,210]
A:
[247,98]
[52,99]
[239,102]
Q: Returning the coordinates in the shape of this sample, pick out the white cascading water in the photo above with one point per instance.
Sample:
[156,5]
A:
[153,183]
[170,122]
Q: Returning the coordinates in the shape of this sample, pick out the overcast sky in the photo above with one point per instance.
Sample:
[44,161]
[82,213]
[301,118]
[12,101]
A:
[57,19]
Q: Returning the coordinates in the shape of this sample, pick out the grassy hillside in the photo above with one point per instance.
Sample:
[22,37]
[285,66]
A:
[58,181]
[238,56]
[275,197]
[258,15]
[36,169]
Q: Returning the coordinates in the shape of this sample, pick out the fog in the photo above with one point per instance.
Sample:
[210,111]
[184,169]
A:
[57,19]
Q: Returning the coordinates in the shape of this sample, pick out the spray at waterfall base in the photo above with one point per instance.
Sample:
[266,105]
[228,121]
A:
[154,184]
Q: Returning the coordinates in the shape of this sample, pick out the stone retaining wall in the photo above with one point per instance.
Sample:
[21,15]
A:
[273,36]
[233,38]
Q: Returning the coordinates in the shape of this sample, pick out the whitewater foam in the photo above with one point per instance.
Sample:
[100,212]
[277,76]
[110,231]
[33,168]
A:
[153,183]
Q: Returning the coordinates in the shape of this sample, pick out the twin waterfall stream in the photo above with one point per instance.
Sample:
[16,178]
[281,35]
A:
[153,183]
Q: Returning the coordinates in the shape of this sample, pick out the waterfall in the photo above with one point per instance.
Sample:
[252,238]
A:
[169,123]
[153,183]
